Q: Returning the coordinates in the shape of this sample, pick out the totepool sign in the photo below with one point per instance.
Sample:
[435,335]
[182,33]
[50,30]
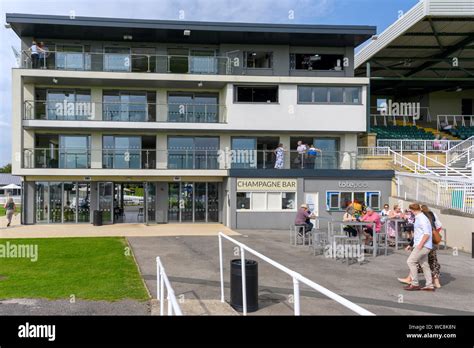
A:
[353,184]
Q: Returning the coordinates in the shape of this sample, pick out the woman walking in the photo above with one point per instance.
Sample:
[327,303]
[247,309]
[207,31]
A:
[435,267]
[10,208]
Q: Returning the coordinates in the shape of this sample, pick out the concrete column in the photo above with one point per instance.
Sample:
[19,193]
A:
[161,151]
[161,202]
[285,140]
[96,150]
[28,146]
[28,208]
[161,105]
[225,147]
[96,98]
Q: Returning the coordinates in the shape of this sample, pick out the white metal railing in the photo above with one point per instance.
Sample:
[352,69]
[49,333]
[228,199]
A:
[455,121]
[444,169]
[377,151]
[417,168]
[297,279]
[418,145]
[459,151]
[446,192]
[409,116]
[162,283]
[16,199]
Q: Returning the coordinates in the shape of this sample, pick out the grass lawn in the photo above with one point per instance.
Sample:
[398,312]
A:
[88,268]
[3,211]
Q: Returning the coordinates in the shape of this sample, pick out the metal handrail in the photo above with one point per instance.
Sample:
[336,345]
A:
[297,279]
[444,166]
[151,112]
[162,284]
[86,62]
[416,166]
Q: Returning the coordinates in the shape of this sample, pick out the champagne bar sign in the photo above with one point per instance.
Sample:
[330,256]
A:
[267,185]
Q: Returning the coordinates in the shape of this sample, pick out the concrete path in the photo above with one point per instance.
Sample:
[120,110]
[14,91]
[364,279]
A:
[192,266]
[16,230]
[80,307]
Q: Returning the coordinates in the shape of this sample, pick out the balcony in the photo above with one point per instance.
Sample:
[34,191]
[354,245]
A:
[126,62]
[124,112]
[177,159]
[266,159]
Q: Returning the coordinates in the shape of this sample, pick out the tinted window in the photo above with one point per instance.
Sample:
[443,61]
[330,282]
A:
[257,94]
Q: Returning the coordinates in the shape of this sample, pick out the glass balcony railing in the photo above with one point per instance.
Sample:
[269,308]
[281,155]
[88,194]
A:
[184,158]
[124,112]
[124,62]
[57,158]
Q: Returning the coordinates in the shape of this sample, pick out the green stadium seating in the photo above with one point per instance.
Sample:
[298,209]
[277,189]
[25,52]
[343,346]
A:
[462,132]
[402,132]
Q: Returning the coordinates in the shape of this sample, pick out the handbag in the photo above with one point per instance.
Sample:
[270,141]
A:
[436,238]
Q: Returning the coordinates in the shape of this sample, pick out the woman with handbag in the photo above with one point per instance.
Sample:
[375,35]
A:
[432,256]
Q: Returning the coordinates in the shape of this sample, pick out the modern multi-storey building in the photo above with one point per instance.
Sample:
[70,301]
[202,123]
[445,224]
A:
[182,119]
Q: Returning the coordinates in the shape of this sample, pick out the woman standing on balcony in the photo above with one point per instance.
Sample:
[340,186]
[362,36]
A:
[280,156]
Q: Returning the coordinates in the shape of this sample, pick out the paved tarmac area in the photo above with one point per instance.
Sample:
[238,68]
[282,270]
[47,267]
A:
[192,265]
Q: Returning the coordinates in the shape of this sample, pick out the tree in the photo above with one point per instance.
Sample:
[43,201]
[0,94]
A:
[6,168]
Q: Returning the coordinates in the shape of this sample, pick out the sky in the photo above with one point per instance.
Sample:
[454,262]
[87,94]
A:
[379,13]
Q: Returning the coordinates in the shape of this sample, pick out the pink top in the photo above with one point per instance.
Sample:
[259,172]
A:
[373,218]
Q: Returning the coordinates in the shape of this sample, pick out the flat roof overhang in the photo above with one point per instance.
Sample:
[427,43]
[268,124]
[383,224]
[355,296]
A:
[212,33]
[430,48]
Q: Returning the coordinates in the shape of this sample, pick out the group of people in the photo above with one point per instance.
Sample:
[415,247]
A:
[418,221]
[306,155]
[39,53]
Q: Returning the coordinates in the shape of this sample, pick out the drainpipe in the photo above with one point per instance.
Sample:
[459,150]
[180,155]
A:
[368,97]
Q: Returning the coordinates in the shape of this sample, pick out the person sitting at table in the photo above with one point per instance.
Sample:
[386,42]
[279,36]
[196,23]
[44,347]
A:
[302,218]
[373,217]
[349,217]
[396,213]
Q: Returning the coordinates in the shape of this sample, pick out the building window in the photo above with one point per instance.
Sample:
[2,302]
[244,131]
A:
[315,61]
[256,94]
[339,201]
[258,60]
[329,95]
[266,201]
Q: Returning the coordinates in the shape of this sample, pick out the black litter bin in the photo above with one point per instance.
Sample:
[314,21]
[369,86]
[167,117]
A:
[97,218]
[251,283]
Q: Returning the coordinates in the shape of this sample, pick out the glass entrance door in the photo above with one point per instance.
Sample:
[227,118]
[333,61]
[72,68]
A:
[106,201]
[150,202]
[193,202]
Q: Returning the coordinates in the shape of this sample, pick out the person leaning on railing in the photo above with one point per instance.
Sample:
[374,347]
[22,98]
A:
[34,53]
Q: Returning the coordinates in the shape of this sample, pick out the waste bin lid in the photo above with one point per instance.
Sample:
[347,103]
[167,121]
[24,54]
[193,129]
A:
[247,262]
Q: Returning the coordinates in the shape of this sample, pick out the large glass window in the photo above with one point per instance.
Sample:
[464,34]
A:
[266,201]
[193,152]
[71,104]
[193,107]
[256,94]
[74,151]
[122,152]
[340,200]
[42,202]
[133,106]
[117,59]
[329,95]
[72,57]
[193,202]
[258,60]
